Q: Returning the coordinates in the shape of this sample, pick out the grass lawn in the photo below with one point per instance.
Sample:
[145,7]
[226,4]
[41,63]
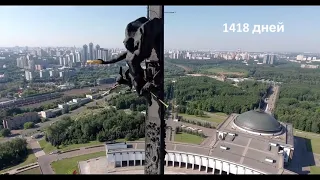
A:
[32,171]
[47,147]
[29,160]
[314,170]
[67,166]
[188,138]
[230,70]
[312,140]
[210,117]
[123,140]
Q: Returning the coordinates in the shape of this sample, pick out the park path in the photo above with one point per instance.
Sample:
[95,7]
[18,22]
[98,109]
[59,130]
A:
[46,160]
[36,148]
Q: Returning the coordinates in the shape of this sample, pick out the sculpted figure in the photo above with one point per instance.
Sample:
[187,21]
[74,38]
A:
[124,80]
[140,38]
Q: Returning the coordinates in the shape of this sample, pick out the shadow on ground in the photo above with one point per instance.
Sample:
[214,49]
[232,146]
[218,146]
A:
[302,156]
[35,150]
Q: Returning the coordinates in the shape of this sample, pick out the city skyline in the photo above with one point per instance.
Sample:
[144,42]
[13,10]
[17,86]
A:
[201,29]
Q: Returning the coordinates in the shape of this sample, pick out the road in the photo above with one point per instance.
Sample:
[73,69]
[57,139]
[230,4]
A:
[46,160]
[272,99]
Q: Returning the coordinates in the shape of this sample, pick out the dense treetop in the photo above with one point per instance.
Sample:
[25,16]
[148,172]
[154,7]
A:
[12,152]
[207,94]
[108,124]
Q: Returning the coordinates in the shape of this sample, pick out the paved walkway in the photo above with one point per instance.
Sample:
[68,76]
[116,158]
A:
[36,148]
[23,168]
[45,161]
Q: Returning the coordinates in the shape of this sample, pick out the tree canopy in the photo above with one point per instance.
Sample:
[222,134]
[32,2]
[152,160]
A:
[108,124]
[12,152]
[203,93]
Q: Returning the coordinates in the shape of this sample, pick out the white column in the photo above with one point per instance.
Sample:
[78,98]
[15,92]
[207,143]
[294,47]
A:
[120,159]
[180,160]
[237,167]
[228,171]
[174,159]
[128,158]
[193,162]
[187,161]
[167,161]
[141,159]
[207,165]
[115,159]
[214,166]
[200,163]
[221,167]
[134,158]
[244,170]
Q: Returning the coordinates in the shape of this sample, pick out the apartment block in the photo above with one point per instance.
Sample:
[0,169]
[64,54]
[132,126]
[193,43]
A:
[18,121]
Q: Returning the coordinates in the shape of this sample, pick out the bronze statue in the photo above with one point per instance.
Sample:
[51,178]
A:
[140,38]
[124,80]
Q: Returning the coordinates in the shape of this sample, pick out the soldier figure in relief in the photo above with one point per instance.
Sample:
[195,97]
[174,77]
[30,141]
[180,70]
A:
[140,38]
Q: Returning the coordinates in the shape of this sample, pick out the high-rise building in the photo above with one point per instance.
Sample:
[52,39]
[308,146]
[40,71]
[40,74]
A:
[22,62]
[72,58]
[85,53]
[265,59]
[91,51]
[44,74]
[104,54]
[61,60]
[65,61]
[269,59]
[31,62]
[272,59]
[97,52]
[78,57]
[53,73]
[28,75]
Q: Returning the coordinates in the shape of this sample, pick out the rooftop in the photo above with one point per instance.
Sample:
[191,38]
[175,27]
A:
[284,138]
[252,149]
[241,145]
[258,121]
[245,151]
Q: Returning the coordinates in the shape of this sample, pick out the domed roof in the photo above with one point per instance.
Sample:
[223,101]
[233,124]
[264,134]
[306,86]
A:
[258,121]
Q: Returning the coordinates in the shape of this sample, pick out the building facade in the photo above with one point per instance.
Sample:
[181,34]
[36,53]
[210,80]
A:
[18,121]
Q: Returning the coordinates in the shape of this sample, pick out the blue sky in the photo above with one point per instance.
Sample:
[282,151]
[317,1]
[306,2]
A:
[191,27]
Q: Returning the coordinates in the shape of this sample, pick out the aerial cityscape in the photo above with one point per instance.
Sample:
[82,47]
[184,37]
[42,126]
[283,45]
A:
[235,103]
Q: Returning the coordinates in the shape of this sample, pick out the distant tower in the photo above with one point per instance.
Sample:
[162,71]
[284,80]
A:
[91,51]
[272,59]
[97,52]
[104,54]
[266,59]
[85,53]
